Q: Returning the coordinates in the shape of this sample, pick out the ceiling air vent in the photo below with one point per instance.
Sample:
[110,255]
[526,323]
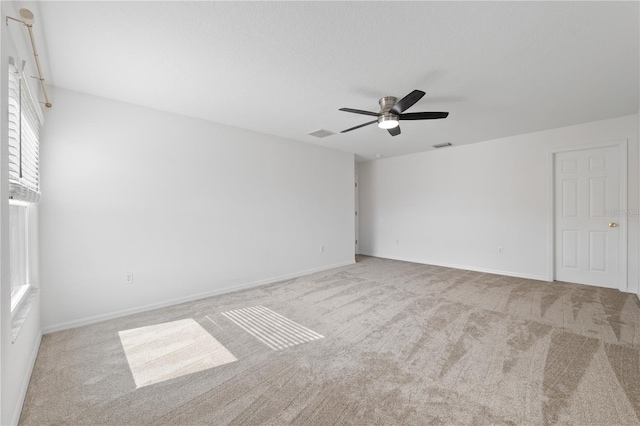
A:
[322,133]
[443,145]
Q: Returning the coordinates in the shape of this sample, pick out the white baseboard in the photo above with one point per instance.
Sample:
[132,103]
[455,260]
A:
[25,382]
[122,313]
[464,267]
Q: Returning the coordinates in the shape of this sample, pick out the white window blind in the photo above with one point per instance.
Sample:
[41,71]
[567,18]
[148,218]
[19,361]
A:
[24,127]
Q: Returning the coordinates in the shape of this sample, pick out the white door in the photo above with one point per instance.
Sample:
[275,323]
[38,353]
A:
[587,205]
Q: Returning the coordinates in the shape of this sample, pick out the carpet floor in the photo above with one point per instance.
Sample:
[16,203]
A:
[378,342]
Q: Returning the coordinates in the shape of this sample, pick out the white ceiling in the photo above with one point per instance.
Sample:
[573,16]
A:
[499,68]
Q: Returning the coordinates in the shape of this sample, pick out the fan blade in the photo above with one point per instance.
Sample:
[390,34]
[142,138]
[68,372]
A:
[357,127]
[408,101]
[395,131]
[423,115]
[359,111]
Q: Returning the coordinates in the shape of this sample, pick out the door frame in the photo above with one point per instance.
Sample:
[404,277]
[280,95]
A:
[357,213]
[621,146]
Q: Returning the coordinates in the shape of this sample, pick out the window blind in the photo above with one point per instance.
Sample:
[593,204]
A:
[24,128]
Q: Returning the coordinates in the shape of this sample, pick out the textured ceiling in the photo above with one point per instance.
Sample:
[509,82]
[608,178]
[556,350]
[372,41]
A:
[499,68]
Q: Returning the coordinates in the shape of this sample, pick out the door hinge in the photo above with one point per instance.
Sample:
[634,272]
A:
[356,241]
[356,213]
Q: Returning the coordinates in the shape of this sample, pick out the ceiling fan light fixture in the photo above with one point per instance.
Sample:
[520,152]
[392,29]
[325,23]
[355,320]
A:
[392,111]
[388,121]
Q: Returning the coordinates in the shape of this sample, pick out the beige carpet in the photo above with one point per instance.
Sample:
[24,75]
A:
[403,343]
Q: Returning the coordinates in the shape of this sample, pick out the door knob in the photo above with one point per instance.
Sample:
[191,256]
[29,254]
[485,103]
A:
[612,224]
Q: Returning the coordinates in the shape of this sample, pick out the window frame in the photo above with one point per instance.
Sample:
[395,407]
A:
[18,295]
[24,124]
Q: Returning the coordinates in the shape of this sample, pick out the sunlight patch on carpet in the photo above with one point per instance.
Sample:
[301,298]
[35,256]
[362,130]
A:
[272,329]
[165,351]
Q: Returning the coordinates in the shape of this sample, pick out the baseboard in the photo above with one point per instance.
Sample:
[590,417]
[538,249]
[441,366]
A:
[463,267]
[25,382]
[103,317]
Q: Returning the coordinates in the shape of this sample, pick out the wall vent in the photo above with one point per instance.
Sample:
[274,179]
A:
[443,145]
[322,133]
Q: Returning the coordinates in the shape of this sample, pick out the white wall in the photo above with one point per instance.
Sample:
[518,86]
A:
[191,207]
[456,206]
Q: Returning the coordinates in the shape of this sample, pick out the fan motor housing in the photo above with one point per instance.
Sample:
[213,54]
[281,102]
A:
[386,119]
[387,103]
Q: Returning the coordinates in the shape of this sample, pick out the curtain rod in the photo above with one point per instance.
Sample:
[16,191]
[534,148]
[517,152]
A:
[27,21]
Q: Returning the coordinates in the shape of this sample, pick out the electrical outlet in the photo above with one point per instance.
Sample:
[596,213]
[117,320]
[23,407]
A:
[499,250]
[321,249]
[128,278]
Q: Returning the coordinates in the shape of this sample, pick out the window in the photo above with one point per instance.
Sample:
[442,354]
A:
[24,180]
[24,148]
[18,252]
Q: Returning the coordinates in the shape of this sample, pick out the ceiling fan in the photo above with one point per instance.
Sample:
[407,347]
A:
[391,112]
